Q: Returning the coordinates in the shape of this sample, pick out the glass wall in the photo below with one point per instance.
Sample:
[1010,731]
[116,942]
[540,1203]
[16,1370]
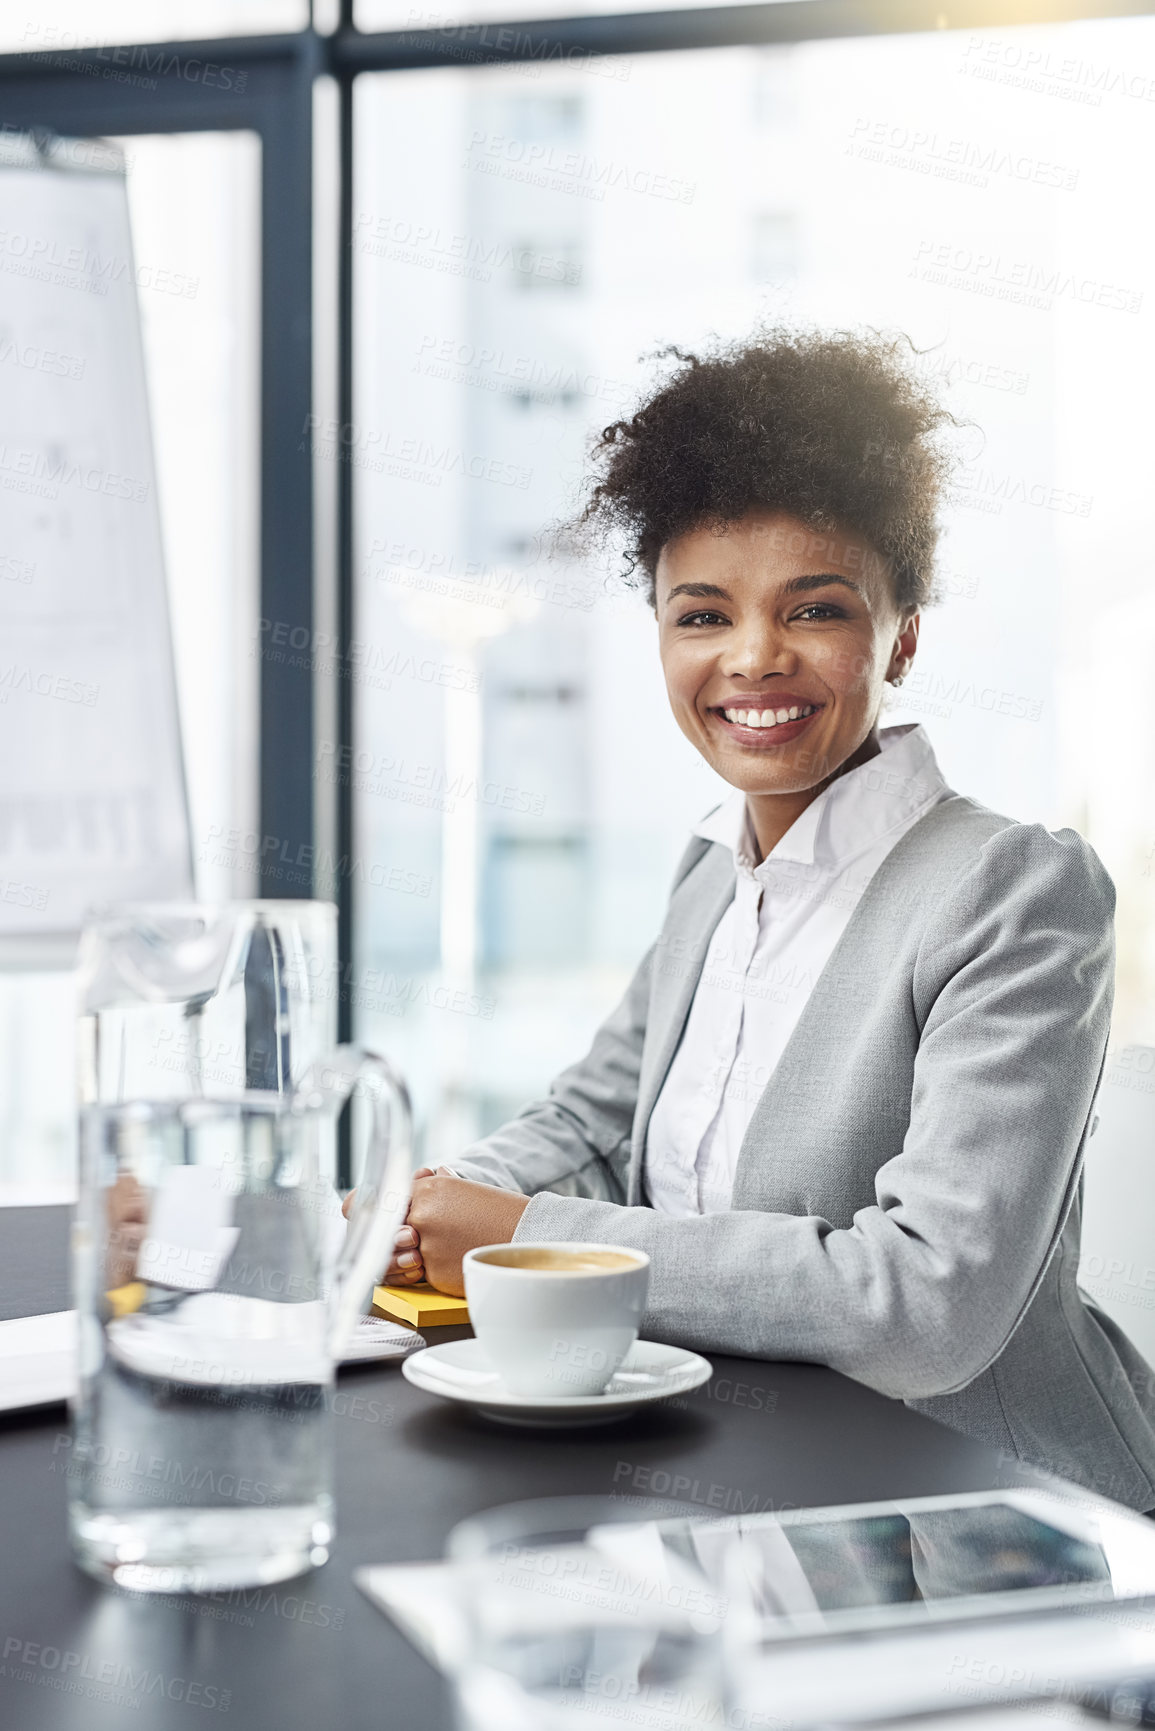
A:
[525,239]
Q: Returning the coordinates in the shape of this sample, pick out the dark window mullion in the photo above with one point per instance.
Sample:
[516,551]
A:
[286,704]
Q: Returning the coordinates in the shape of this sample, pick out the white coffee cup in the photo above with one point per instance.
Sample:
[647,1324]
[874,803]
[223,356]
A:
[556,1320]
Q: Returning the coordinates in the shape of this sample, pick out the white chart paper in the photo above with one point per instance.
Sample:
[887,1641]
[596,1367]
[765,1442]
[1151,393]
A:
[92,796]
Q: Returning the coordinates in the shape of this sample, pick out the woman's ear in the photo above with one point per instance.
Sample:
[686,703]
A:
[905,646]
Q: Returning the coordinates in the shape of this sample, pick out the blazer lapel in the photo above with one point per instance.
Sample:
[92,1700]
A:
[911,876]
[696,906]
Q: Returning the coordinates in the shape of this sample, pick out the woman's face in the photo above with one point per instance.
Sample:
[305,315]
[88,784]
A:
[776,641]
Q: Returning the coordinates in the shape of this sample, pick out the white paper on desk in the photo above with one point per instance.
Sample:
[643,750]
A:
[578,1585]
[38,1355]
[190,1231]
[37,1359]
[423,1602]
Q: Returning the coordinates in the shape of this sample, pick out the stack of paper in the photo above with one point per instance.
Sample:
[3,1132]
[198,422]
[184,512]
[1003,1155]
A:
[37,1359]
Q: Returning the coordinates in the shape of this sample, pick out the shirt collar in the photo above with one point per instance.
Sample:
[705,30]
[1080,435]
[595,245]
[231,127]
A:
[858,809]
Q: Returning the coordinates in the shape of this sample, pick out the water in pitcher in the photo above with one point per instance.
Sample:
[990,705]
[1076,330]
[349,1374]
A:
[205,1253]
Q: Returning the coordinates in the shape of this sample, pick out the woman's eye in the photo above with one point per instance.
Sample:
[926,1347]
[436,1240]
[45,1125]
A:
[702,618]
[821,610]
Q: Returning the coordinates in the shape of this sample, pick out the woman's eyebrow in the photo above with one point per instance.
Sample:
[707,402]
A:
[803,585]
[795,586]
[700,592]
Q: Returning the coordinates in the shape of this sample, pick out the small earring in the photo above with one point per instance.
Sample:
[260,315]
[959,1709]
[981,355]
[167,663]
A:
[898,679]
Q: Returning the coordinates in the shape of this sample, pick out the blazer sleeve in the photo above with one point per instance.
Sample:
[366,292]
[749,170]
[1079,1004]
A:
[1012,994]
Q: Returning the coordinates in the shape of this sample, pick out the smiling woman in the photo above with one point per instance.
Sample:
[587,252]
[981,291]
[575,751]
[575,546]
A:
[844,1102]
[810,458]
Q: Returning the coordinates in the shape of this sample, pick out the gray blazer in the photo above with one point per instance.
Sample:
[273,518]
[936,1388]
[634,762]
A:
[906,1201]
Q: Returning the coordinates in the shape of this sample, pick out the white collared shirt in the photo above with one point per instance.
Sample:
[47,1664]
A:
[766,953]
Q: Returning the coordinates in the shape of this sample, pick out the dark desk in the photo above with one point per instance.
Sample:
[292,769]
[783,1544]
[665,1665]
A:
[313,1653]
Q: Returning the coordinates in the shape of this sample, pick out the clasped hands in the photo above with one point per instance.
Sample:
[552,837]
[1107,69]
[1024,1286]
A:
[448,1216]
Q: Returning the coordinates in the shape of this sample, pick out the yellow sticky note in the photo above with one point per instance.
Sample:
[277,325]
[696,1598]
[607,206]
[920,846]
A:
[419,1304]
[123,1300]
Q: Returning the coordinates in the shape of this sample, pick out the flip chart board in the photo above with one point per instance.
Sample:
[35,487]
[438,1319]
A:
[92,794]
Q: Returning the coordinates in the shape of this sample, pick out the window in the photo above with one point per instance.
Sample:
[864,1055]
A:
[902,182]
[774,246]
[538,266]
[525,239]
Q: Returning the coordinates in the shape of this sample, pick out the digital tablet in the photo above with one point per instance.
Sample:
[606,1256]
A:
[867,1566]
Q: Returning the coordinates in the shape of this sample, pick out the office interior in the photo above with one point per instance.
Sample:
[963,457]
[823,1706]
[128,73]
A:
[396,264]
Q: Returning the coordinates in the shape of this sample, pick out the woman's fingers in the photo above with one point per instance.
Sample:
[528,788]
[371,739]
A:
[396,1275]
[347,1205]
[406,1266]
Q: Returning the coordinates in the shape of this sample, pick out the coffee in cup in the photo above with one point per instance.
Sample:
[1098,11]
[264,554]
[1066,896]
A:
[560,1261]
[556,1320]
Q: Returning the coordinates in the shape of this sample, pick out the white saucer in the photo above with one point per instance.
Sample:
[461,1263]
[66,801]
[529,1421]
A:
[460,1370]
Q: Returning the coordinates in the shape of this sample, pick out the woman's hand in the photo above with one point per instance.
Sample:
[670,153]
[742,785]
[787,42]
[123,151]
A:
[452,1215]
[127,1207]
[405,1265]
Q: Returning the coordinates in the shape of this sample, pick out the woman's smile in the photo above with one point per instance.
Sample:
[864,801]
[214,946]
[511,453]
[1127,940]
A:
[764,723]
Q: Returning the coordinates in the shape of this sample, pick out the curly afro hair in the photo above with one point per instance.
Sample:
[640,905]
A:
[835,428]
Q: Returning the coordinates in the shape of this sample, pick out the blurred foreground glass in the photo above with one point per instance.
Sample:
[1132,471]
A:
[819,1617]
[567,1618]
[215,1280]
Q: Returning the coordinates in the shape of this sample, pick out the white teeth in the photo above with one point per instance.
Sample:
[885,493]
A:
[763,718]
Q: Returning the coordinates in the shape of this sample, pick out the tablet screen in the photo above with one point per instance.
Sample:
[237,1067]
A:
[892,1559]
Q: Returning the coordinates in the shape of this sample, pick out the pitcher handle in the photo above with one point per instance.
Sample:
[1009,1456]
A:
[383,1191]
